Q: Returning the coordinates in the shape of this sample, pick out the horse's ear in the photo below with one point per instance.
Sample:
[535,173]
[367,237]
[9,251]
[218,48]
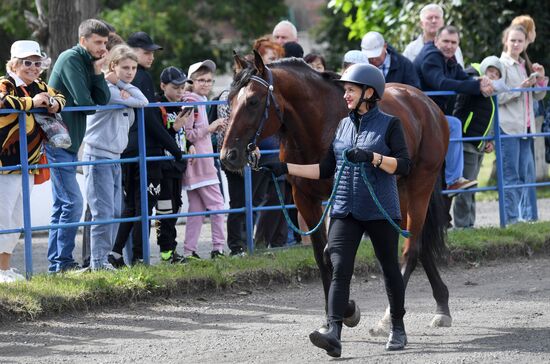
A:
[259,63]
[240,62]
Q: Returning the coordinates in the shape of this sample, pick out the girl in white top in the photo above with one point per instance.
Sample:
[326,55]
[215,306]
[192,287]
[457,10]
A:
[517,117]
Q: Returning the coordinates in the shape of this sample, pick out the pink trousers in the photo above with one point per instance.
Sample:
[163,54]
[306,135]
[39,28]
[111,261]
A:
[202,199]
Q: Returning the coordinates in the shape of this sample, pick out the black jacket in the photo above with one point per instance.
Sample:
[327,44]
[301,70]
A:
[439,74]
[401,69]
[157,138]
[475,112]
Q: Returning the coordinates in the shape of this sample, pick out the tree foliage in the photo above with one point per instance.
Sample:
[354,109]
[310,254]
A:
[191,31]
[481,23]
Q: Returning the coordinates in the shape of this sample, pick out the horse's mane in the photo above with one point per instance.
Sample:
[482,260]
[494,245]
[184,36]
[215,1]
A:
[295,65]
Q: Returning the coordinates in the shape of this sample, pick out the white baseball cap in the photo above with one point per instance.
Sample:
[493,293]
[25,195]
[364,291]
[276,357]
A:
[25,48]
[372,44]
[207,63]
[355,56]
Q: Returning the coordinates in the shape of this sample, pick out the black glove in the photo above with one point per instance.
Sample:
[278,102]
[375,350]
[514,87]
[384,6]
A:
[277,168]
[356,155]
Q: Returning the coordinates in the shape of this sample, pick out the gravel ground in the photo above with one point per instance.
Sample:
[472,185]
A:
[501,314]
[487,215]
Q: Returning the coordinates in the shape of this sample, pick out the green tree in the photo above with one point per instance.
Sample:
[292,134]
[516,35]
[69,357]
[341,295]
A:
[481,23]
[191,31]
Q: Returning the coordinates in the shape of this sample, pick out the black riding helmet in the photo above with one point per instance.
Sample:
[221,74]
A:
[365,75]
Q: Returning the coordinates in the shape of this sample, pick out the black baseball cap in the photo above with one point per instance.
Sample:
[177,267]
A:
[142,40]
[173,75]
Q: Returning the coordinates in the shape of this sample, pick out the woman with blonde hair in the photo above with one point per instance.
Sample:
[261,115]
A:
[517,116]
[21,89]
[106,138]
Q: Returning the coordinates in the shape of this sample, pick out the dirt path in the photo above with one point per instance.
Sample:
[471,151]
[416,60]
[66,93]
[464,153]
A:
[501,315]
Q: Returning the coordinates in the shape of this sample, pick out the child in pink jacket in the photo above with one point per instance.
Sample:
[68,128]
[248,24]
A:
[201,179]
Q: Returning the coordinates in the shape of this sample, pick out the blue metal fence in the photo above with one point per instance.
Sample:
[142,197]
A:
[248,209]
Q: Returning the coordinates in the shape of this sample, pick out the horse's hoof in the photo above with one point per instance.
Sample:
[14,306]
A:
[381,329]
[440,320]
[354,319]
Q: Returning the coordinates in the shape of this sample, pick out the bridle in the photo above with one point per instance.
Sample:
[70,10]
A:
[253,158]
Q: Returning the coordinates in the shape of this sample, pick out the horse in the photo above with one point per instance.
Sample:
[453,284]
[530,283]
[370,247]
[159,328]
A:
[304,108]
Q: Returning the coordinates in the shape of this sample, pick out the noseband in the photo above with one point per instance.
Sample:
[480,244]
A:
[253,158]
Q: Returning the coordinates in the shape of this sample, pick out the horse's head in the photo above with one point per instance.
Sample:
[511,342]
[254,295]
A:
[255,111]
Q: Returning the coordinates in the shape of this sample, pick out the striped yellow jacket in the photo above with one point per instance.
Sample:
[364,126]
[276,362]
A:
[15,98]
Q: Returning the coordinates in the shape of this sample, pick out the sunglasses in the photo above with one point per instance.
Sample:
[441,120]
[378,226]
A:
[28,63]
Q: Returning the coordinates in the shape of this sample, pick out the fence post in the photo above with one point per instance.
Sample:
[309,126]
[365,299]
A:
[144,208]
[500,174]
[249,213]
[23,153]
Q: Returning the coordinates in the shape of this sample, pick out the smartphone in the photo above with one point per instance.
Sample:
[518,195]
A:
[185,110]
[534,75]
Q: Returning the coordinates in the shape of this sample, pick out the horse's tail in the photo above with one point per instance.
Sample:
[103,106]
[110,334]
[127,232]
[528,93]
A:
[434,232]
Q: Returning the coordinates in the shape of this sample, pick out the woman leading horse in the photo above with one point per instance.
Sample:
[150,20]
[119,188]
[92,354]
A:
[305,107]
[372,140]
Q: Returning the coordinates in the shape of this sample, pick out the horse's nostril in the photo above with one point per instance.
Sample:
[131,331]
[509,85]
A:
[231,155]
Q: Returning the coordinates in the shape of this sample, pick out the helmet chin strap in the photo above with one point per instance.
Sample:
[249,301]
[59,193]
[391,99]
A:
[361,100]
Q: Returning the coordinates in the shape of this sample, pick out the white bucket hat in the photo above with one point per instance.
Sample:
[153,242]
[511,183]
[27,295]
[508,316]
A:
[25,48]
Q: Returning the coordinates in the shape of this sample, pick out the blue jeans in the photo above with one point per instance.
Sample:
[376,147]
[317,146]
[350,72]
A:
[104,196]
[454,160]
[67,208]
[518,163]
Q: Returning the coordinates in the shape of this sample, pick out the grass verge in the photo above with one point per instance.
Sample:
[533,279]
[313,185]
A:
[49,295]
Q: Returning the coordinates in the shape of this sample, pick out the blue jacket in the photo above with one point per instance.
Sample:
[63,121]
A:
[401,69]
[439,74]
[352,194]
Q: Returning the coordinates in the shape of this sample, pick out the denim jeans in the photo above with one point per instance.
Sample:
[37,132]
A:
[518,168]
[104,196]
[454,160]
[67,208]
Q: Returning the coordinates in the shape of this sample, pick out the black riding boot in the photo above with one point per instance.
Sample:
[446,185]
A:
[329,340]
[398,338]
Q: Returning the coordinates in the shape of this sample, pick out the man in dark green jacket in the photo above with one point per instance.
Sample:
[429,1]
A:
[77,75]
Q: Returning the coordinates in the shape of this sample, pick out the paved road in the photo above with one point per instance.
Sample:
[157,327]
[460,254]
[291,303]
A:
[501,314]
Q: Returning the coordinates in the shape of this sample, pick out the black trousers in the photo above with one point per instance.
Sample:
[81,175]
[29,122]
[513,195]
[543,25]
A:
[169,202]
[343,240]
[272,228]
[236,223]
[132,207]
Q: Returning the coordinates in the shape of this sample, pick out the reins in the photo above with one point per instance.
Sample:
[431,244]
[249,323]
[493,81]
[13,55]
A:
[402,232]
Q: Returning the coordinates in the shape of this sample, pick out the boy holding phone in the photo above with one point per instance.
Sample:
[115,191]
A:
[172,83]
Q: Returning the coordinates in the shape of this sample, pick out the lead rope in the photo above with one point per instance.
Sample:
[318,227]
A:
[402,232]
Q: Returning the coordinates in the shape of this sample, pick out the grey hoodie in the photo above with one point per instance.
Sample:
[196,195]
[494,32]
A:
[107,131]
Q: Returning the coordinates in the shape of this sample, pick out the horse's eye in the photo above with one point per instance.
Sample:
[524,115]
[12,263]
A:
[253,101]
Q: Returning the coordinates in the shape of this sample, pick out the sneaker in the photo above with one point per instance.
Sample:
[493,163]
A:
[238,253]
[115,262]
[74,266]
[105,266]
[461,184]
[193,256]
[10,275]
[172,257]
[215,254]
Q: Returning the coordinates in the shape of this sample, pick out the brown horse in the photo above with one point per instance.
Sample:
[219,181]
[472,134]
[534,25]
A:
[304,107]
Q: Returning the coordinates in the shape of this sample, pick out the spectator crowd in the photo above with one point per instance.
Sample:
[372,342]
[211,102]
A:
[104,69]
